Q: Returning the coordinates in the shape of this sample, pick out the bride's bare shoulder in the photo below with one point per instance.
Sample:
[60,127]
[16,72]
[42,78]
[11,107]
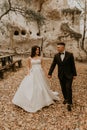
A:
[29,58]
[41,58]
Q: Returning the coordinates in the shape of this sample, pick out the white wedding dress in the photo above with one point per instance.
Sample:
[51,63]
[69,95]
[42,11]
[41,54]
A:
[34,92]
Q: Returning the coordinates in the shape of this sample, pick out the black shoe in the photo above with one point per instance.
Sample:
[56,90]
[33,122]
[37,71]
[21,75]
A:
[65,101]
[69,107]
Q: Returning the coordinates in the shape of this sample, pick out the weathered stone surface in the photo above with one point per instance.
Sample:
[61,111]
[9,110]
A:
[18,33]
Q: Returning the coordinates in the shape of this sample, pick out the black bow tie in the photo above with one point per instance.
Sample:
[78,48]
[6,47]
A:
[61,53]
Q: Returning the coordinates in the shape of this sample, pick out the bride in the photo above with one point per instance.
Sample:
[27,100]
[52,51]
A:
[34,91]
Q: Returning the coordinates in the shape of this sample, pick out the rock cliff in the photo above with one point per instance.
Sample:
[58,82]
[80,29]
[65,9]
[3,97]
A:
[43,22]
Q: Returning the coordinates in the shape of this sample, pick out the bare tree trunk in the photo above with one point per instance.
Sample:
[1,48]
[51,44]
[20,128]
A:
[84,30]
[42,47]
[41,4]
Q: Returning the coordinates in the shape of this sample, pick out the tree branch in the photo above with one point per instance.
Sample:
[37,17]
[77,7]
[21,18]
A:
[7,11]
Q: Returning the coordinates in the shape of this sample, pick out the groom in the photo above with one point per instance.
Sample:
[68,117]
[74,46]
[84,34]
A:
[66,72]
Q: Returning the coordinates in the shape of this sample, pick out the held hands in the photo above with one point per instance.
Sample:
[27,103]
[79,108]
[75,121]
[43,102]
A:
[49,76]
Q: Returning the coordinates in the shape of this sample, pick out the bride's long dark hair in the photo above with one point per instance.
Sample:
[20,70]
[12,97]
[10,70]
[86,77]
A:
[33,51]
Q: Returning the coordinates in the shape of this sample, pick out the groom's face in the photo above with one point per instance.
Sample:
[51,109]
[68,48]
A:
[60,48]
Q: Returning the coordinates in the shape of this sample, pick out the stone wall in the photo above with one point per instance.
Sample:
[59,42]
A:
[19,34]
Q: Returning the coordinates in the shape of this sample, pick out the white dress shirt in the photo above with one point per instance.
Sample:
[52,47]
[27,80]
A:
[62,55]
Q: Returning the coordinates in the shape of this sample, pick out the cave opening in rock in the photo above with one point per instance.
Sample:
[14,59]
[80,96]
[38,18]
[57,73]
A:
[30,32]
[16,32]
[45,31]
[23,32]
[38,34]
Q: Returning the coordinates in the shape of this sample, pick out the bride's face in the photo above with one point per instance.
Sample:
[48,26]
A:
[37,51]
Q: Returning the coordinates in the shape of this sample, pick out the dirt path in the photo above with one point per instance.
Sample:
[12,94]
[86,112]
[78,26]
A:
[54,117]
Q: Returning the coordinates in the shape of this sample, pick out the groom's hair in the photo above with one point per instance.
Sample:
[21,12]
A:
[61,43]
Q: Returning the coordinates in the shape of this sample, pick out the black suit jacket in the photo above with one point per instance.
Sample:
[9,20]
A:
[66,67]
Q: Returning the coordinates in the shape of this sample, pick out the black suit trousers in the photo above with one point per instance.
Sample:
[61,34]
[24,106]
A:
[66,86]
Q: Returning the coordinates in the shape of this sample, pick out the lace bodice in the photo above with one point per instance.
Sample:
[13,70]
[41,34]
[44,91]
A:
[35,62]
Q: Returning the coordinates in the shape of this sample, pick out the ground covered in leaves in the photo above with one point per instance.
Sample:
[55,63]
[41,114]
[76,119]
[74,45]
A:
[54,117]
